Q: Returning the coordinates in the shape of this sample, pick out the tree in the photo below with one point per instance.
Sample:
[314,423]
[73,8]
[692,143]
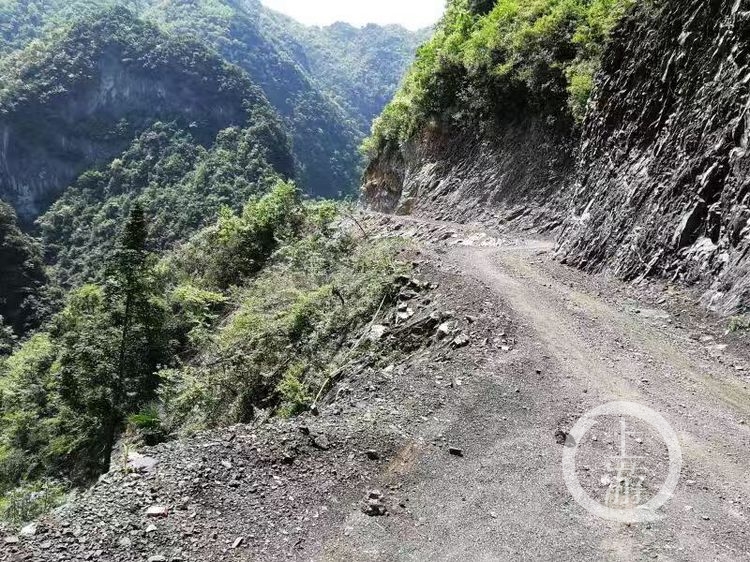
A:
[22,274]
[140,318]
[113,341]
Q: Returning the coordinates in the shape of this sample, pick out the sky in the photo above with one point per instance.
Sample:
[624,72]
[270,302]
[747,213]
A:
[413,14]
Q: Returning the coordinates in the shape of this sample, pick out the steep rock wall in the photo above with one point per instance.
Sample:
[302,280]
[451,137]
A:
[517,174]
[663,184]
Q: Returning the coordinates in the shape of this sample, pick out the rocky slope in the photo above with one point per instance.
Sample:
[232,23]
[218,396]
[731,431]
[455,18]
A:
[662,184]
[653,183]
[442,442]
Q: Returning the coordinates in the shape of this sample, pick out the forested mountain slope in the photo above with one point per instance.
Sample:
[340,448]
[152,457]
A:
[22,273]
[280,56]
[620,124]
[160,152]
[79,99]
[81,81]
[361,68]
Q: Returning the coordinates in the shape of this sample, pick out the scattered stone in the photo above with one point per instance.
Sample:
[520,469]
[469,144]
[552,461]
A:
[462,340]
[238,542]
[374,506]
[373,455]
[125,542]
[321,442]
[304,430]
[11,540]
[141,463]
[29,530]
[446,329]
[157,558]
[456,452]
[377,332]
[560,437]
[226,464]
[151,529]
[408,295]
[405,315]
[157,511]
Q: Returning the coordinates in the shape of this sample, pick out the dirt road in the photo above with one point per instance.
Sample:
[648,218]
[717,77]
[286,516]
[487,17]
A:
[462,439]
[582,342]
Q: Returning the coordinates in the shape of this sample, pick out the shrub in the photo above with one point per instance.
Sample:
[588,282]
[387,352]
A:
[28,502]
[488,59]
[147,425]
[288,329]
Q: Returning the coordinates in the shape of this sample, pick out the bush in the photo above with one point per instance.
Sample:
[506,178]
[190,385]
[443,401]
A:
[488,59]
[28,502]
[288,328]
[147,425]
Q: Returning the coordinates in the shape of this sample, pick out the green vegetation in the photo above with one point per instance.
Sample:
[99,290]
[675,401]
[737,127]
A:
[739,323]
[326,85]
[22,274]
[30,501]
[46,70]
[361,68]
[251,313]
[489,61]
[181,186]
[325,140]
[187,283]
[287,332]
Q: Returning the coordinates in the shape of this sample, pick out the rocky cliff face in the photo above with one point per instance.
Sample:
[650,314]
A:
[655,182]
[663,185]
[84,101]
[450,174]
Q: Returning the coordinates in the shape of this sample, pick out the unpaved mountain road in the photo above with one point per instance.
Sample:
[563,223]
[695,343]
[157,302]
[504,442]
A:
[581,343]
[544,344]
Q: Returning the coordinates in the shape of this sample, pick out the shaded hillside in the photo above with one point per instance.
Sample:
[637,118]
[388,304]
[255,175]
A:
[78,101]
[22,274]
[181,185]
[361,68]
[325,142]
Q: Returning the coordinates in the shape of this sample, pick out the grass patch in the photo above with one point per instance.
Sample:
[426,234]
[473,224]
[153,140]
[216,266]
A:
[739,323]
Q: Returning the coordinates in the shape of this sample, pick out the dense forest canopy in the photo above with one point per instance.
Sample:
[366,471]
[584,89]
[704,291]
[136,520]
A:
[306,73]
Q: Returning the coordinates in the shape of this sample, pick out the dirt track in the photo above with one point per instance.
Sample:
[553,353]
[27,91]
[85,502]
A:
[547,344]
[581,343]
